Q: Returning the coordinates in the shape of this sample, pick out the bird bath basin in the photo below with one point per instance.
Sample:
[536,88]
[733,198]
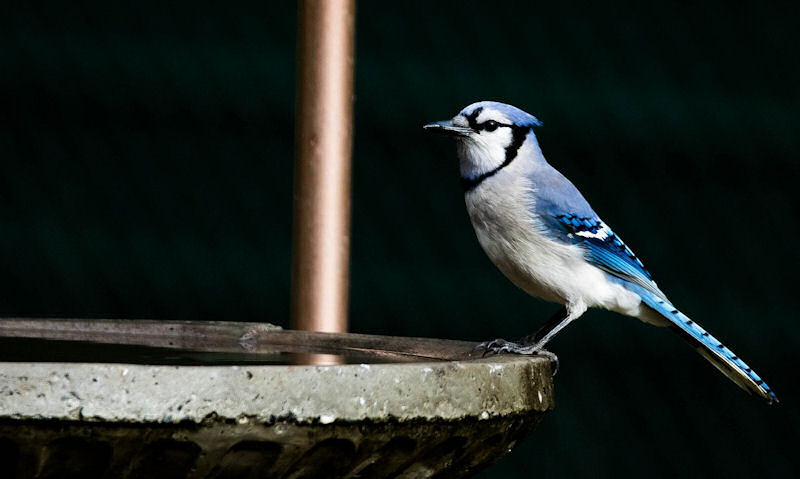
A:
[131,399]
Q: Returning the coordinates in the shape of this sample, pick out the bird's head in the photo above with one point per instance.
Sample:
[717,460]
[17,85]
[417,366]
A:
[489,136]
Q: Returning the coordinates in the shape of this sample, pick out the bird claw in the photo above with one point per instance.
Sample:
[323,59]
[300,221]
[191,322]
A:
[500,346]
[497,346]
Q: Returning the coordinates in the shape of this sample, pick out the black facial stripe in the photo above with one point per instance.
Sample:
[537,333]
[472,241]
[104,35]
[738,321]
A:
[472,118]
[472,121]
[482,126]
[519,133]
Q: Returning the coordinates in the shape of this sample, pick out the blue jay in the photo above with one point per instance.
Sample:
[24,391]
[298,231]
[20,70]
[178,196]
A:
[537,228]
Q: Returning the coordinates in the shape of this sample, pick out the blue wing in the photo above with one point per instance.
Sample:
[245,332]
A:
[568,217]
[605,249]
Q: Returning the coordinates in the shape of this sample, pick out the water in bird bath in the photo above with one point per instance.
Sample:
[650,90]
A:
[51,351]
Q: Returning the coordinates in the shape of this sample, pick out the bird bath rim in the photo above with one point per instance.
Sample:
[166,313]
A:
[412,378]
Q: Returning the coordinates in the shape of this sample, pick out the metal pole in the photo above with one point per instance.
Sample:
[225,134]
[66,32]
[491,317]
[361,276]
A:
[321,241]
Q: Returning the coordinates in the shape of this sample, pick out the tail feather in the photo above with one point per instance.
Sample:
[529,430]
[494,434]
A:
[708,346]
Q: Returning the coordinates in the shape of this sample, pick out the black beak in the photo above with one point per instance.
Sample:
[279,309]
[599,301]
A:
[447,127]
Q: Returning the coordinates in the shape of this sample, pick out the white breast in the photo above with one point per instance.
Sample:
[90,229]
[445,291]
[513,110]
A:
[513,238]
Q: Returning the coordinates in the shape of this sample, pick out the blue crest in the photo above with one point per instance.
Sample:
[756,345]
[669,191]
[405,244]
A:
[519,117]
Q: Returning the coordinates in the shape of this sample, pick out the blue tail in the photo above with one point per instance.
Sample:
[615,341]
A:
[708,346]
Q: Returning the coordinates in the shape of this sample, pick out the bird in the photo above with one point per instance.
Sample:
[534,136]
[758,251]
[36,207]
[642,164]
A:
[541,233]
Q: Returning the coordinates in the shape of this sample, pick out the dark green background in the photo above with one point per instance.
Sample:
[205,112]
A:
[146,171]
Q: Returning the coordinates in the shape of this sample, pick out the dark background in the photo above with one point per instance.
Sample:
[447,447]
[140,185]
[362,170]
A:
[146,170]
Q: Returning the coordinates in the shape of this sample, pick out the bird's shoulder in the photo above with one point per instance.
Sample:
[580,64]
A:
[553,194]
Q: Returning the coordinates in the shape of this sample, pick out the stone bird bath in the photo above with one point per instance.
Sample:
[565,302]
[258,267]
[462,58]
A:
[159,399]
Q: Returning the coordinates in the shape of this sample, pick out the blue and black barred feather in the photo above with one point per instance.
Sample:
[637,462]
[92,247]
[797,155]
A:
[708,346]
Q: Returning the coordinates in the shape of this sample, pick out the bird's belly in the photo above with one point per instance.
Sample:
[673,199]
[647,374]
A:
[528,265]
[536,264]
[541,266]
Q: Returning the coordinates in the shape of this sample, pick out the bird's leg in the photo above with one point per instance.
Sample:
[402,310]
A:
[545,328]
[555,324]
[522,346]
[497,346]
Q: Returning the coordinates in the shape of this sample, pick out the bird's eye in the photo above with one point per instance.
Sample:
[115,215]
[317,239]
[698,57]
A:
[490,125]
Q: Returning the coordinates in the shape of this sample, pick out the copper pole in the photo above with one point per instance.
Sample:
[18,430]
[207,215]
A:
[321,242]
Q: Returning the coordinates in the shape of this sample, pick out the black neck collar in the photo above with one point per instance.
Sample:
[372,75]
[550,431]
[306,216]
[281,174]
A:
[519,133]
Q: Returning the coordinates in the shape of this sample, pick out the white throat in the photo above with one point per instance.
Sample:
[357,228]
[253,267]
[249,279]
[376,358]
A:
[478,156]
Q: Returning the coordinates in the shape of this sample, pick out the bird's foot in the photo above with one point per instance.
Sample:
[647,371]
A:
[499,346]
